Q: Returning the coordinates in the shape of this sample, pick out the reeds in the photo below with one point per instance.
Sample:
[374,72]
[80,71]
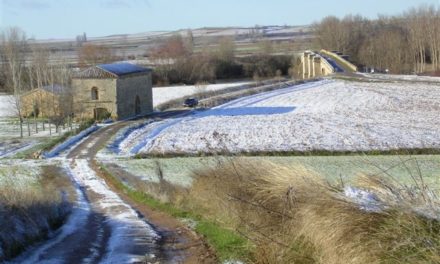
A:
[293,215]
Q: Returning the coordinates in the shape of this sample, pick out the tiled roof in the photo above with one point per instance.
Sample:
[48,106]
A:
[113,70]
[121,69]
[55,88]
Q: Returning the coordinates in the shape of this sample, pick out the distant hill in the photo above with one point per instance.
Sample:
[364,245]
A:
[137,46]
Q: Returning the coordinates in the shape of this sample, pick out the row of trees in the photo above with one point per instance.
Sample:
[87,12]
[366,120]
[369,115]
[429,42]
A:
[177,62]
[25,67]
[408,43]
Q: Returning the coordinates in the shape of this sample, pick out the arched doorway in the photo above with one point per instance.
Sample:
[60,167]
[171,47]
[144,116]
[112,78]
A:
[137,105]
[101,113]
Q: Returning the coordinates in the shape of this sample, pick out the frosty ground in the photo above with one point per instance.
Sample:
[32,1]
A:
[180,171]
[331,115]
[168,93]
[10,144]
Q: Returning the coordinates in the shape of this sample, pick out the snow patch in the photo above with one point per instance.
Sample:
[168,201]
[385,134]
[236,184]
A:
[366,200]
[70,142]
[9,148]
[7,105]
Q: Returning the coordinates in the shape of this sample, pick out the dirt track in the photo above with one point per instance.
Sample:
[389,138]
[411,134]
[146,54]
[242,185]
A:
[146,236]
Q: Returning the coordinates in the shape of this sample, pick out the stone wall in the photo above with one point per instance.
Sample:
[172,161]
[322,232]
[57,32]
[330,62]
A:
[48,104]
[128,88]
[82,97]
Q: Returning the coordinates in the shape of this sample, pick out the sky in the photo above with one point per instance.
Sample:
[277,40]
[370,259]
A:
[58,19]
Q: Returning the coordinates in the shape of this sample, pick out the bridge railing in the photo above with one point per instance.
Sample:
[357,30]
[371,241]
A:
[343,62]
[327,65]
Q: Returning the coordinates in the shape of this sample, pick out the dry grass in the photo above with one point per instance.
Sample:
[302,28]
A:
[29,212]
[293,216]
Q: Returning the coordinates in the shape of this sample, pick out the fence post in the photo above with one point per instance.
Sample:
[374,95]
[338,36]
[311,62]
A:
[28,126]
[36,124]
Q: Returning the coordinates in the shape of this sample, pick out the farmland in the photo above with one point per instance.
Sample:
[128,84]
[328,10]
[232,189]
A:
[138,46]
[219,132]
[180,171]
[330,115]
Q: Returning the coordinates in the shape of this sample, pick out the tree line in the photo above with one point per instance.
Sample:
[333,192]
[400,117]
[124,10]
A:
[23,68]
[406,43]
[177,61]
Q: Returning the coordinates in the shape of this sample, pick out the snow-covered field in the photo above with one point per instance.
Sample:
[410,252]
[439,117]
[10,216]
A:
[10,128]
[164,94]
[10,142]
[327,115]
[393,77]
[7,106]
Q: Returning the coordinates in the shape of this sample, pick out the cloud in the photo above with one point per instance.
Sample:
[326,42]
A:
[26,4]
[123,3]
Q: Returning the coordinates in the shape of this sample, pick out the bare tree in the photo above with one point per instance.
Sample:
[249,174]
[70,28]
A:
[226,49]
[61,103]
[168,54]
[329,35]
[90,54]
[39,65]
[431,24]
[189,41]
[14,45]
[80,39]
[409,42]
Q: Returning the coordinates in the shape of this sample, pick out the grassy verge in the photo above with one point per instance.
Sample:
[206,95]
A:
[392,152]
[227,244]
[293,215]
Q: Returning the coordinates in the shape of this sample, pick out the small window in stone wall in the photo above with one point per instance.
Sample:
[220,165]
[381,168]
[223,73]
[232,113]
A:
[95,94]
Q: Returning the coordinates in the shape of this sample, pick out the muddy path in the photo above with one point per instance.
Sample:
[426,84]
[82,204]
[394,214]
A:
[106,226]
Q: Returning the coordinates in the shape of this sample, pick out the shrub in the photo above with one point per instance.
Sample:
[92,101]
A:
[293,215]
[29,212]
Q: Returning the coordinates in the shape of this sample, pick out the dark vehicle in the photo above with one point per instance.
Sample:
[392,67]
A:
[191,102]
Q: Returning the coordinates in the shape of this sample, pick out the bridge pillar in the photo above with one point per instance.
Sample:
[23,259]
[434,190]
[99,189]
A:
[317,72]
[303,62]
[306,68]
[310,65]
